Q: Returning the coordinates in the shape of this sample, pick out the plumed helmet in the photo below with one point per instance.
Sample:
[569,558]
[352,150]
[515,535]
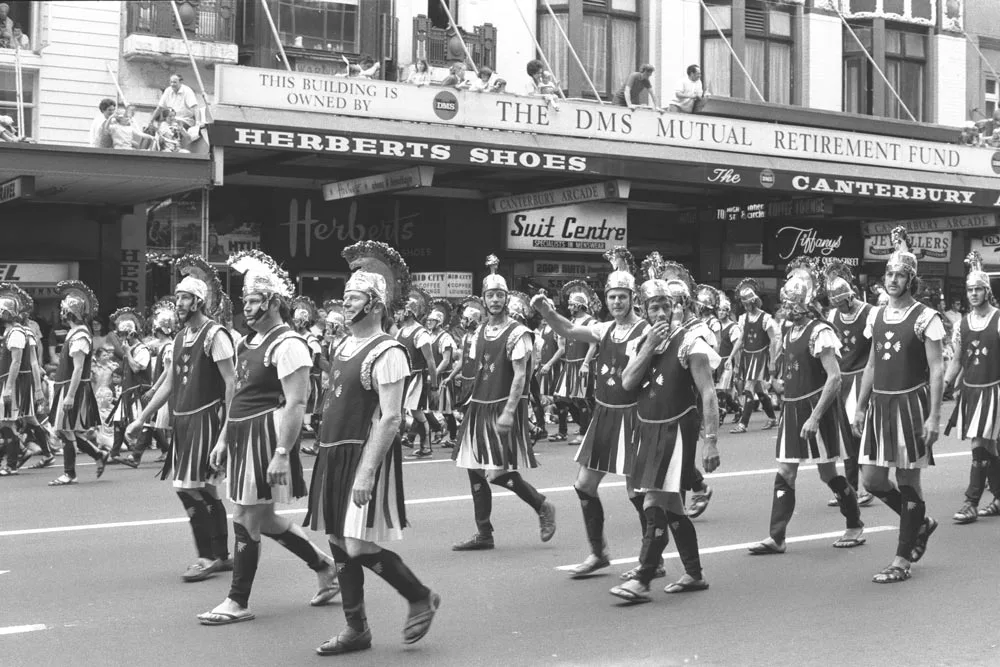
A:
[493,280]
[200,279]
[706,300]
[622,270]
[379,271]
[579,293]
[77,298]
[334,311]
[519,306]
[748,290]
[801,288]
[976,276]
[14,301]
[839,282]
[440,311]
[902,259]
[126,321]
[472,307]
[163,317]
[304,311]
[262,275]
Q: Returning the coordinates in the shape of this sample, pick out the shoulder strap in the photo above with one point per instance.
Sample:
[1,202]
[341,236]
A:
[377,350]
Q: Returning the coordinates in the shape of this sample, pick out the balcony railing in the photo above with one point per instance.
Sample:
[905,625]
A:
[440,47]
[204,20]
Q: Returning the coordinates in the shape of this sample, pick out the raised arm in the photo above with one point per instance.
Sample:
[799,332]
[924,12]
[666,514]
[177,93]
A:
[560,324]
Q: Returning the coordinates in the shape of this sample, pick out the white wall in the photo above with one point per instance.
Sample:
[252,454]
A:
[949,95]
[83,38]
[823,67]
[515,46]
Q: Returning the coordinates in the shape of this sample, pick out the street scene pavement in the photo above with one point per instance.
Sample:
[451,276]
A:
[90,575]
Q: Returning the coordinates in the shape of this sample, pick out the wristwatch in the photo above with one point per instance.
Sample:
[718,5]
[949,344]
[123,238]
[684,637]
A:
[281,451]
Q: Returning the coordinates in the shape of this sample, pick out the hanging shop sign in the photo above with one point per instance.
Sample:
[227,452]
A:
[38,273]
[784,242]
[404,179]
[590,228]
[319,93]
[989,248]
[577,194]
[788,208]
[444,284]
[16,188]
[927,246]
[980,221]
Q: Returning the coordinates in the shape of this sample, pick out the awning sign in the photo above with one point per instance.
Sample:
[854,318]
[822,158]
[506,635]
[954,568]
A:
[577,194]
[989,248]
[404,179]
[980,221]
[22,186]
[38,273]
[591,228]
[444,284]
[927,246]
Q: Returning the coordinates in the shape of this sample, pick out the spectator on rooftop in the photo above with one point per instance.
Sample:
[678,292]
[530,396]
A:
[482,81]
[8,131]
[689,93]
[543,82]
[179,97]
[369,68]
[19,39]
[99,137]
[456,77]
[420,75]
[124,135]
[630,94]
[6,26]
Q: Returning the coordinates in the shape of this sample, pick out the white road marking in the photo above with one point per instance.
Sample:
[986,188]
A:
[17,629]
[416,501]
[4,571]
[747,545]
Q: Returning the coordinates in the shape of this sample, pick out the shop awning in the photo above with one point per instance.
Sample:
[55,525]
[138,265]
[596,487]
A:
[72,175]
[298,149]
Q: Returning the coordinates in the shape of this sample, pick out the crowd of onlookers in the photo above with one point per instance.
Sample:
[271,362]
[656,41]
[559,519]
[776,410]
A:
[985,132]
[172,127]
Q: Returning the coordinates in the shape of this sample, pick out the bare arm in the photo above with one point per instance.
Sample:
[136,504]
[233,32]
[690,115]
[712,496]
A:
[587,358]
[428,353]
[954,368]
[864,393]
[227,369]
[775,348]
[831,389]
[74,383]
[637,366]
[936,365]
[161,391]
[560,324]
[15,367]
[390,398]
[288,418]
[445,361]
[701,372]
[653,102]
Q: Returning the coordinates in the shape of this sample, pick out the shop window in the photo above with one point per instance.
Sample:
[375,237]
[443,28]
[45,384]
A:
[768,56]
[992,96]
[19,17]
[8,99]
[320,25]
[610,45]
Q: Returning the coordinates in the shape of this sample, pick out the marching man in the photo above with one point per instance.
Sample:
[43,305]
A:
[899,407]
[757,351]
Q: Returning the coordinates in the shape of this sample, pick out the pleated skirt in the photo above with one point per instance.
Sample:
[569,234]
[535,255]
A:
[976,412]
[664,457]
[83,415]
[753,365]
[127,407]
[442,400]
[547,381]
[331,505]
[23,403]
[482,447]
[571,384]
[610,442]
[826,446]
[250,446]
[463,390]
[893,434]
[415,392]
[723,377]
[191,443]
[850,392]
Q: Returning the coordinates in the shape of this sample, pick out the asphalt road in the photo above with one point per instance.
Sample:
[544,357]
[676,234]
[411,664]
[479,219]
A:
[90,575]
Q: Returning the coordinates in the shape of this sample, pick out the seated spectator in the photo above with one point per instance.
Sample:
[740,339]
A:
[99,137]
[8,131]
[170,135]
[18,39]
[369,68]
[181,99]
[499,85]
[456,77]
[482,81]
[420,75]
[689,94]
[630,94]
[6,27]
[543,83]
[124,135]
[970,134]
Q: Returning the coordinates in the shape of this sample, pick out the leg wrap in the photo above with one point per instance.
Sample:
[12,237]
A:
[910,520]
[244,565]
[351,577]
[686,540]
[388,565]
[295,540]
[782,508]
[653,543]
[593,521]
[978,474]
[524,491]
[848,500]
[200,523]
[482,501]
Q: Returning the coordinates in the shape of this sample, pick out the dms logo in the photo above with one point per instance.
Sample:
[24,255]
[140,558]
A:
[445,105]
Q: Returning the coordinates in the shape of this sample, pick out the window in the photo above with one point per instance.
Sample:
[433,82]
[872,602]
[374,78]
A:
[439,17]
[992,94]
[19,15]
[610,42]
[768,56]
[905,68]
[8,99]
[320,25]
